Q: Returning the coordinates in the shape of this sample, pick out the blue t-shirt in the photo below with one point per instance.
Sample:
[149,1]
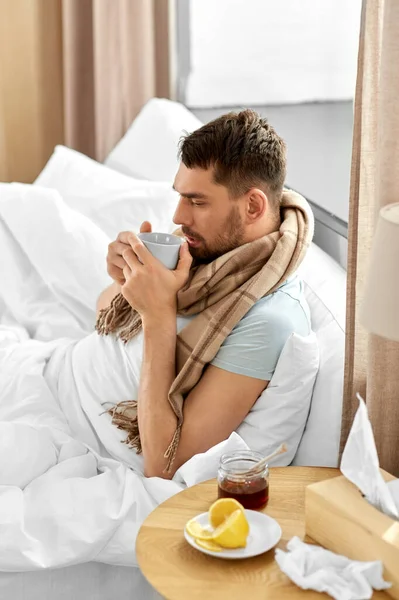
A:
[255,344]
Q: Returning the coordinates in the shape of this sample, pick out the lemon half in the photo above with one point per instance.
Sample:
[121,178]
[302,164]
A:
[230,527]
[233,532]
[221,509]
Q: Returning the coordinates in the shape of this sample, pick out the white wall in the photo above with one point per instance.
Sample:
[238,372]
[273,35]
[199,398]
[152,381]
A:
[257,52]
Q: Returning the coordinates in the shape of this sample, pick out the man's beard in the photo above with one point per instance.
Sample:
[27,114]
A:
[230,237]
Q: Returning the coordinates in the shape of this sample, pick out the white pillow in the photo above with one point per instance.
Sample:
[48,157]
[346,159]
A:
[66,255]
[114,202]
[280,413]
[325,291]
[149,148]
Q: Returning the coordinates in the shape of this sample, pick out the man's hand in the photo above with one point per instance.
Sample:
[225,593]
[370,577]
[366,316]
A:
[150,287]
[115,261]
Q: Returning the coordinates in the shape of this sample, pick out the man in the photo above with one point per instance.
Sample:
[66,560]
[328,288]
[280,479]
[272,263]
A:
[230,182]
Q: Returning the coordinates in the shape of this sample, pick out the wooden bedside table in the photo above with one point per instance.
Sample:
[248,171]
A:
[179,572]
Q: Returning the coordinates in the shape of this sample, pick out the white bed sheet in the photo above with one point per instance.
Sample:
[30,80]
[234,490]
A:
[90,581]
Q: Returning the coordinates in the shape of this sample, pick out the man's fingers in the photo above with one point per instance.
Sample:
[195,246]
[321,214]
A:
[131,259]
[140,250]
[185,259]
[117,261]
[123,237]
[117,274]
[145,227]
[119,247]
[126,272]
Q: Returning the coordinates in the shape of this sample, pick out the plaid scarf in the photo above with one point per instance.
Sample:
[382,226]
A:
[219,294]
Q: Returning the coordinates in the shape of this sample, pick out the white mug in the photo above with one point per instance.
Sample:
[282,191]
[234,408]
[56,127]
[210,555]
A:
[164,246]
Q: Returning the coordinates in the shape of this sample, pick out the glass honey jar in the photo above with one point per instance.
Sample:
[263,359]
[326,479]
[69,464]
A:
[234,481]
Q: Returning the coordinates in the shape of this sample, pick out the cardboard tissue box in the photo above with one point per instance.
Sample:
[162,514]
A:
[357,514]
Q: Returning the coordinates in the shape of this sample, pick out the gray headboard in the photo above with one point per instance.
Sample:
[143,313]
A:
[330,234]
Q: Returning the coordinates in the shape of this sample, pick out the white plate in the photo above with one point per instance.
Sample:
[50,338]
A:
[264,533]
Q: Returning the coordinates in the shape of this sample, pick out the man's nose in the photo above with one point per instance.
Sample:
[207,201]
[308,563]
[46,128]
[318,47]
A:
[182,214]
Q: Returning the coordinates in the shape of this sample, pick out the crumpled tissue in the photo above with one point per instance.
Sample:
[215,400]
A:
[313,567]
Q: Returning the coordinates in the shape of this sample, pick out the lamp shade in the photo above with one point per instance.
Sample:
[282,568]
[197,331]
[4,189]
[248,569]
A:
[379,312]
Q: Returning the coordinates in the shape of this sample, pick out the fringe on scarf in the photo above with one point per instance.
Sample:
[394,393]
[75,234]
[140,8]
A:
[123,419]
[120,317]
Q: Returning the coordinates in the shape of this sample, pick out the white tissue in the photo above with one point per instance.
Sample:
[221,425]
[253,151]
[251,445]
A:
[360,465]
[393,487]
[314,568]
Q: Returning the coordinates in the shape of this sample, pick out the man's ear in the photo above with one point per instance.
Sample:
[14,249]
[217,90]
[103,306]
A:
[256,205]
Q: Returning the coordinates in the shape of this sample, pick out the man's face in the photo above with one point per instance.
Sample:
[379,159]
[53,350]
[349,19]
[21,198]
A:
[210,220]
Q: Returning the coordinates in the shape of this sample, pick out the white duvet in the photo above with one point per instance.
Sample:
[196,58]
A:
[70,491]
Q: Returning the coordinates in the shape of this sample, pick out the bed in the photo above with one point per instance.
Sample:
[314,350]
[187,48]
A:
[134,185]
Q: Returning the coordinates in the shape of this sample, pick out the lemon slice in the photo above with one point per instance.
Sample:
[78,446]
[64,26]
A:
[233,532]
[209,545]
[221,509]
[198,532]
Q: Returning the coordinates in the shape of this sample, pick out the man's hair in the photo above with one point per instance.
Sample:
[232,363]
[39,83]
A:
[244,151]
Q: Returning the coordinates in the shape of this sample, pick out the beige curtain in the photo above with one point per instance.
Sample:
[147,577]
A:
[116,57]
[372,363]
[31,103]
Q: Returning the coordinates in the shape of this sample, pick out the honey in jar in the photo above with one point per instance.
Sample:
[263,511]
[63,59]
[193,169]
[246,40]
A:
[234,481]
